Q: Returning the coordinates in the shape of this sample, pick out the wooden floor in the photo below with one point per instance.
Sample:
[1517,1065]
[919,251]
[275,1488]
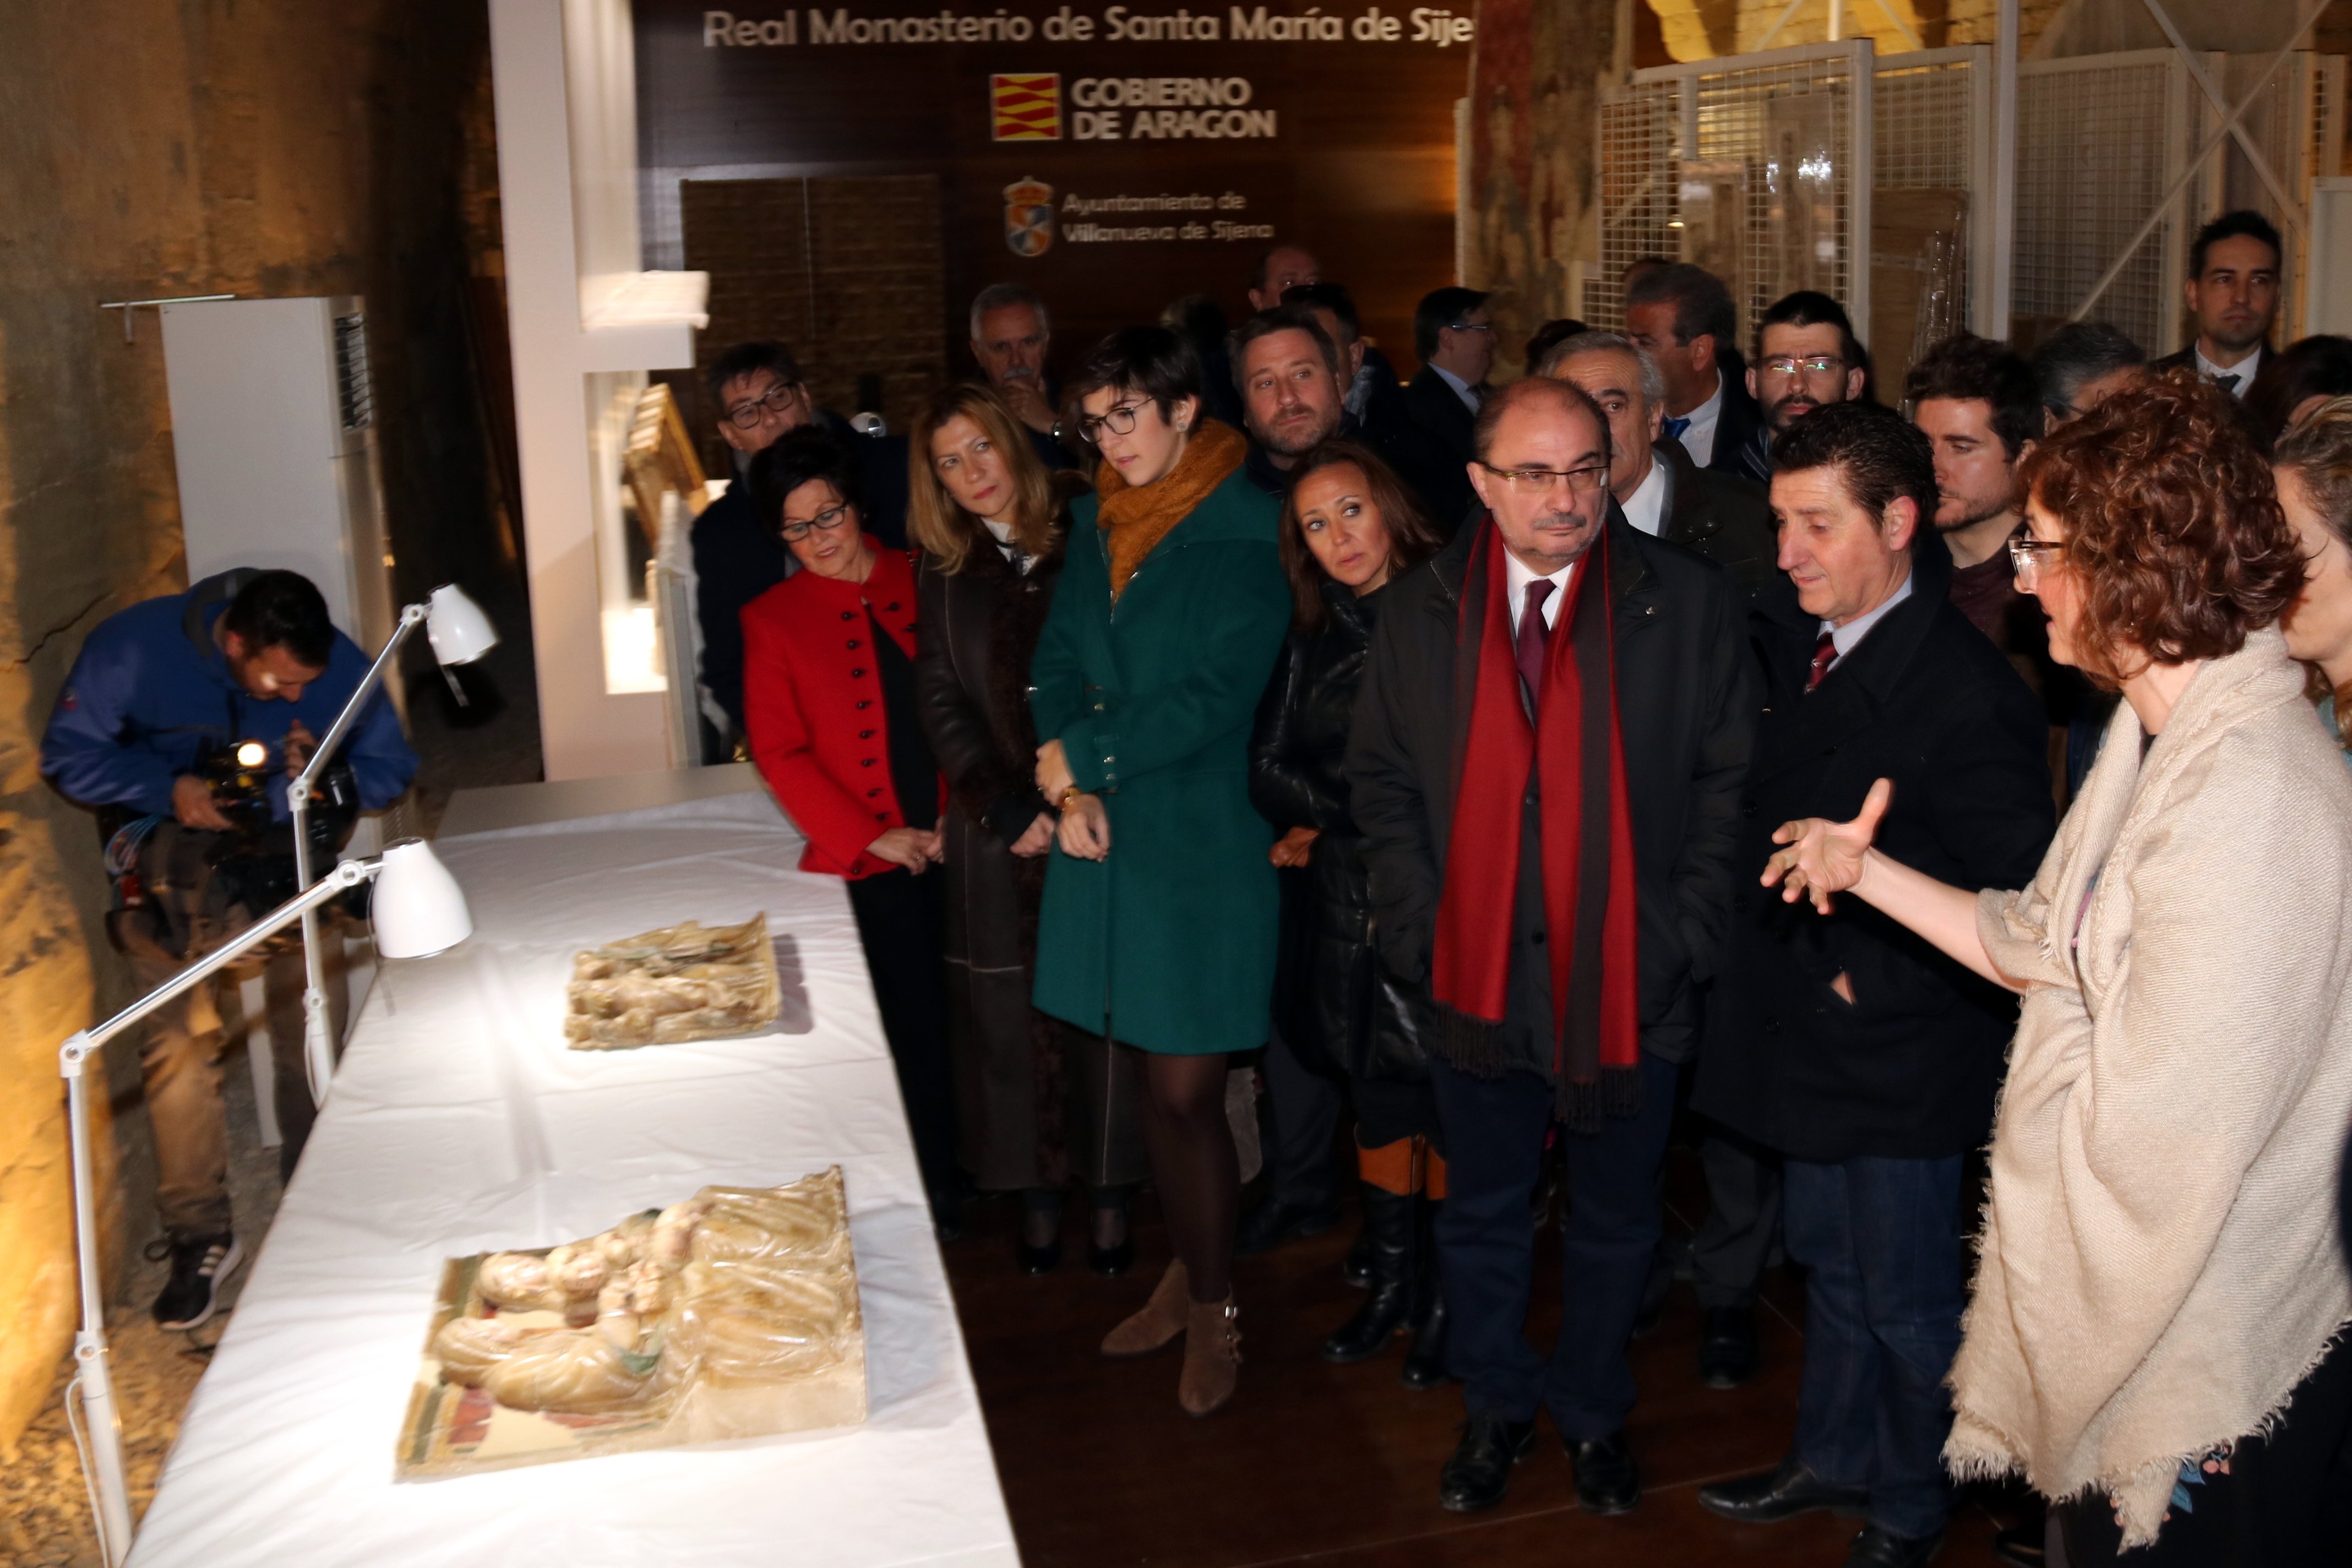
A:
[1336,1466]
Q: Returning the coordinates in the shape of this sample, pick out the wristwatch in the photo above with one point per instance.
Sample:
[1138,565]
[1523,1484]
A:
[1069,794]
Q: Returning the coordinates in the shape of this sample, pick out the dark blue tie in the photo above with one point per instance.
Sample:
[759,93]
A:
[1674,429]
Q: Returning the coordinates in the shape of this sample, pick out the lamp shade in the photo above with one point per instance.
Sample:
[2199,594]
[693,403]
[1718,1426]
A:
[418,907]
[461,633]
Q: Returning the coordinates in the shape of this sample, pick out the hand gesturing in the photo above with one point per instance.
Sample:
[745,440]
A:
[1825,857]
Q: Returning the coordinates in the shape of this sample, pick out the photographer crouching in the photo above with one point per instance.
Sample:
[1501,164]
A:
[182,721]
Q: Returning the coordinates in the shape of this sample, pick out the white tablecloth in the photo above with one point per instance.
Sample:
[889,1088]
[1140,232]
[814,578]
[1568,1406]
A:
[459,1122]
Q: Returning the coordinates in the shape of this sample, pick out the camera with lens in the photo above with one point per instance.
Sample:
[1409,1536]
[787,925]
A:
[258,852]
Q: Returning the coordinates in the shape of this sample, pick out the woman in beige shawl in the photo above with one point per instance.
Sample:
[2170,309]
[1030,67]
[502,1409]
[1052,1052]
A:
[2152,1339]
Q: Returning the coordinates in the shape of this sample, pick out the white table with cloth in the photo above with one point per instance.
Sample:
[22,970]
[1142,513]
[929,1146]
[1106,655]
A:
[460,1123]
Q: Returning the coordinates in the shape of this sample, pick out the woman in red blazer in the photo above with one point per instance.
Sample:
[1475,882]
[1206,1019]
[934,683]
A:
[829,703]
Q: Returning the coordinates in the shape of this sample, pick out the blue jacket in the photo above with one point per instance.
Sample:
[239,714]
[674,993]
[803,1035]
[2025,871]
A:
[151,690]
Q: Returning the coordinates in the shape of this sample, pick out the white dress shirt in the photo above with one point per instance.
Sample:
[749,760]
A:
[1698,437]
[1518,577]
[1462,389]
[1843,637]
[1003,533]
[2243,370]
[1646,508]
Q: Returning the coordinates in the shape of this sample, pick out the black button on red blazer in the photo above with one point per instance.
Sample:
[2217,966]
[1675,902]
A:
[811,699]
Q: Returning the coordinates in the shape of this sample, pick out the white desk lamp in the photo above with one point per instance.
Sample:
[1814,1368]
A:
[460,634]
[418,911]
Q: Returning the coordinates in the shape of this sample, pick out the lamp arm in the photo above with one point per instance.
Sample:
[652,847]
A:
[411,617]
[109,1482]
[349,873]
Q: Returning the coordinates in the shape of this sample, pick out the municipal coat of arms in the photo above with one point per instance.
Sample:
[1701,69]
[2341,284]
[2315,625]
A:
[1029,217]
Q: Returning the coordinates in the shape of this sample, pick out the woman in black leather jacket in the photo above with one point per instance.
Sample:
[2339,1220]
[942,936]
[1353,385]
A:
[1347,528]
[1036,1103]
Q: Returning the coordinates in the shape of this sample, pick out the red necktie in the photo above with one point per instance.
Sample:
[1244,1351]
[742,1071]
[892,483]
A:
[1528,653]
[1824,654]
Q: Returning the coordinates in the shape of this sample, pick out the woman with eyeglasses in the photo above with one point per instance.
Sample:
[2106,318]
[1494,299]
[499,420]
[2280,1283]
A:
[1037,1102]
[2159,1290]
[1348,529]
[1158,927]
[830,708]
[2314,465]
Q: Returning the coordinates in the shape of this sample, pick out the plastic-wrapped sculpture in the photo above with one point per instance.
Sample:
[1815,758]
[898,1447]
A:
[733,1314]
[680,982]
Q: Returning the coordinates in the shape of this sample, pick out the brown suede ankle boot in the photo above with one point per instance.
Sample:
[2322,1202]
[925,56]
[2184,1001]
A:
[1160,1320]
[1212,1355]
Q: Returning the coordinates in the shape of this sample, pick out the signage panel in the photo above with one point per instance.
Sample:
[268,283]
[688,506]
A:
[1114,158]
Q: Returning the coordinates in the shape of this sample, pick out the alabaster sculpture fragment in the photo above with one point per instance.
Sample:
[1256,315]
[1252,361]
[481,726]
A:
[733,1314]
[690,982]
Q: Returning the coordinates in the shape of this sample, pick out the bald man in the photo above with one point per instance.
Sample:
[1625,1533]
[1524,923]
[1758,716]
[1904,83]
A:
[1502,675]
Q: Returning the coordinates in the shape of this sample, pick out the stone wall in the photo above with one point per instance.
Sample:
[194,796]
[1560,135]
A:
[163,147]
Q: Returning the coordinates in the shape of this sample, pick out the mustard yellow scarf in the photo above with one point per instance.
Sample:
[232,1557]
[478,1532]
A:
[1137,517]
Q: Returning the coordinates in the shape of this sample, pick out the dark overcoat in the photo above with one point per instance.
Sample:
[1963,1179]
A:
[1908,1070]
[1686,704]
[1168,944]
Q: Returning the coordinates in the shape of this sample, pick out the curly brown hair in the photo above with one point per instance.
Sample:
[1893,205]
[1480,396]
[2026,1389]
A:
[2173,527]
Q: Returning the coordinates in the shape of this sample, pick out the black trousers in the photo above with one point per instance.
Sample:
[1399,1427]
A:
[1303,1109]
[1743,1217]
[899,923]
[1495,1143]
[2274,1507]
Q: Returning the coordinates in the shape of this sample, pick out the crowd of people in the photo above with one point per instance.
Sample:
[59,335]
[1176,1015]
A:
[1941,815]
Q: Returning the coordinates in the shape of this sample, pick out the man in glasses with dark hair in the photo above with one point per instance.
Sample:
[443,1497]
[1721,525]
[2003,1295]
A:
[759,396]
[1545,766]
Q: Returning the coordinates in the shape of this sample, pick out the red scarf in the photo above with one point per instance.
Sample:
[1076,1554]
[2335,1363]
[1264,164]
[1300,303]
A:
[1576,749]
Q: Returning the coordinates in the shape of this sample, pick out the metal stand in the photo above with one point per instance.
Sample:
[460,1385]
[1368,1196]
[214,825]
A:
[318,1035]
[110,1488]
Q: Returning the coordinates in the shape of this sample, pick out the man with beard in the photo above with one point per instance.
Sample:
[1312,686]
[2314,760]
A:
[2233,292]
[1290,371]
[1375,403]
[1806,357]
[1979,405]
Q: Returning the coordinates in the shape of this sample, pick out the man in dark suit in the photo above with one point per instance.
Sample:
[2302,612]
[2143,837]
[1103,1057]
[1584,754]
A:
[1868,1060]
[1455,335]
[1654,483]
[758,389]
[2233,292]
[1560,914]
[1682,317]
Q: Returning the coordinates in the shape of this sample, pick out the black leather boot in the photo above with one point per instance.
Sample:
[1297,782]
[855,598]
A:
[1356,1269]
[1424,1364]
[1388,1220]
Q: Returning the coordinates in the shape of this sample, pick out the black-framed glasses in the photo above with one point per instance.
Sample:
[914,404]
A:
[1807,364]
[1119,420]
[777,399]
[2025,555]
[831,518]
[1543,481]
[1470,326]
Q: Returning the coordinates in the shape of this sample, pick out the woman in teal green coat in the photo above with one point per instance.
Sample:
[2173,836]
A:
[1158,928]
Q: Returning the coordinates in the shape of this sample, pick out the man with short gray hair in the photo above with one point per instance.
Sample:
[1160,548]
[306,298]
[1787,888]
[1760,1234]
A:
[1662,492]
[1011,334]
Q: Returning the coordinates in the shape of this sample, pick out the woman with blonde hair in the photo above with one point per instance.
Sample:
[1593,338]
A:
[1036,1102]
[2154,1340]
